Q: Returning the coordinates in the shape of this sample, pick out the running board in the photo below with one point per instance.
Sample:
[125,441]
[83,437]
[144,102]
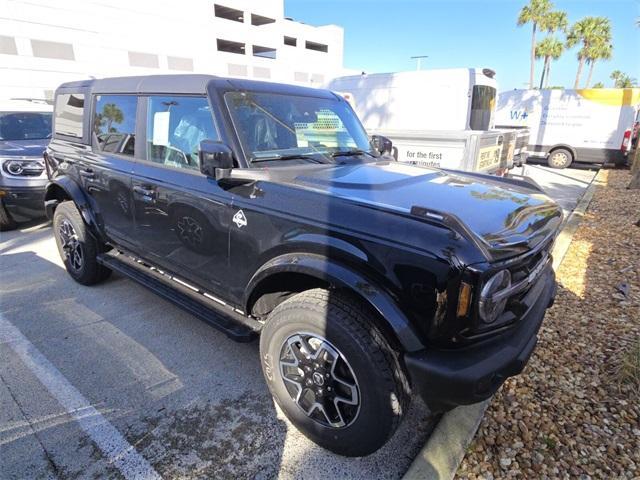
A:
[221,316]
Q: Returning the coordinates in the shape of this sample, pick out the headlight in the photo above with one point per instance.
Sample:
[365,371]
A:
[491,303]
[20,167]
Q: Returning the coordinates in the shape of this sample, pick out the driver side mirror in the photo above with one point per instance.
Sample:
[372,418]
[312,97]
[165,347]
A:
[215,157]
[381,144]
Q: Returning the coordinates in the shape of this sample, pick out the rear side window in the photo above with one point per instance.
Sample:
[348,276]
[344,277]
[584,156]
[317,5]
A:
[175,128]
[114,123]
[69,113]
[483,99]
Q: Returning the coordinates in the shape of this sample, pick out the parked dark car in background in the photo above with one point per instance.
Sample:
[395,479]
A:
[266,210]
[25,131]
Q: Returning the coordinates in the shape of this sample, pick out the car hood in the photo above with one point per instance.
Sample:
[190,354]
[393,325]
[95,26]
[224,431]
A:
[502,217]
[23,148]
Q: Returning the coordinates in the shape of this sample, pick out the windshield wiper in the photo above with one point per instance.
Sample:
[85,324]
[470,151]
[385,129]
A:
[294,156]
[351,153]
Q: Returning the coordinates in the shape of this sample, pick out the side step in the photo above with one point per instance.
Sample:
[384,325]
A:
[236,326]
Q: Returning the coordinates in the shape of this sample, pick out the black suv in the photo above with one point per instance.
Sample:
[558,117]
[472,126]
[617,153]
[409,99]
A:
[266,210]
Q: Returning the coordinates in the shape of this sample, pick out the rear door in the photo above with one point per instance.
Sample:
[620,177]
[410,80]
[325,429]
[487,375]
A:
[106,170]
[181,216]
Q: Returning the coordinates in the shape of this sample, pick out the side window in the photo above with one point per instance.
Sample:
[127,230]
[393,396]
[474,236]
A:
[69,114]
[114,123]
[175,128]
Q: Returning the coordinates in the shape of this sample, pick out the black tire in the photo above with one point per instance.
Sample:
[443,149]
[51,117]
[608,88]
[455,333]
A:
[6,222]
[381,385]
[560,158]
[73,237]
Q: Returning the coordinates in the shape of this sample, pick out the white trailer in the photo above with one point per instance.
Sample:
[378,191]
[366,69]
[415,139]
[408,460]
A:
[591,125]
[441,118]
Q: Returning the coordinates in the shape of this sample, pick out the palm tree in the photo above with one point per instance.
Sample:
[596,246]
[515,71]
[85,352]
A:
[598,51]
[113,114]
[549,48]
[551,22]
[588,31]
[534,13]
[622,80]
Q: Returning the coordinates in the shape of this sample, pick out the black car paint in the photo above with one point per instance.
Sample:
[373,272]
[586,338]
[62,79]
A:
[349,225]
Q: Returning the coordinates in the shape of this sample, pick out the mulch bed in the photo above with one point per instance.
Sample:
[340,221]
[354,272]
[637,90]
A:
[570,414]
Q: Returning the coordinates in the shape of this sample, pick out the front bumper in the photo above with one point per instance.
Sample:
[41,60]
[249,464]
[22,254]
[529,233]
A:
[448,378]
[23,203]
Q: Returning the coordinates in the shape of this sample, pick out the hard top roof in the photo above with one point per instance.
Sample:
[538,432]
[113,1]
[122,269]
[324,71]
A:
[185,83]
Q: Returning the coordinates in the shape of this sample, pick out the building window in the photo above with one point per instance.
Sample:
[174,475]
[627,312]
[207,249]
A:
[264,52]
[237,70]
[317,78]
[301,77]
[229,13]
[180,63]
[114,123]
[69,112]
[60,51]
[318,47]
[8,45]
[147,60]
[291,41]
[261,72]
[260,20]
[231,47]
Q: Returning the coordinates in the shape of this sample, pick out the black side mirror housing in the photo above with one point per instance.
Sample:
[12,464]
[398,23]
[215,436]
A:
[381,144]
[215,158]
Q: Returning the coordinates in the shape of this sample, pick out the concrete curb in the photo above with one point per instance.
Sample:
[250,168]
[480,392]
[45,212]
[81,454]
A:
[441,456]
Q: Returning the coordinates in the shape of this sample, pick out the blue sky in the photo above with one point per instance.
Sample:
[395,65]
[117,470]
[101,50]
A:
[381,35]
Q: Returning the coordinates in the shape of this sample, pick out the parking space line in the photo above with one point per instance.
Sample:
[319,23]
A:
[107,438]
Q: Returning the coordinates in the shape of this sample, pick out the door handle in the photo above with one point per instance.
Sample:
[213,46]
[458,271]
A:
[146,192]
[87,173]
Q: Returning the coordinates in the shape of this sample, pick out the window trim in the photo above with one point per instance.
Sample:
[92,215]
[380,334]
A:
[136,148]
[143,100]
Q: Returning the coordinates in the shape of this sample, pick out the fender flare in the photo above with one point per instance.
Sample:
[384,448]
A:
[75,193]
[337,274]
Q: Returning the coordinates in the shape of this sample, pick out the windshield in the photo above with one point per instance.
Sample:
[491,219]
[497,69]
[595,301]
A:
[25,125]
[483,102]
[274,127]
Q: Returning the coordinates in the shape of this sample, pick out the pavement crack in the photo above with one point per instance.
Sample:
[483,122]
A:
[52,464]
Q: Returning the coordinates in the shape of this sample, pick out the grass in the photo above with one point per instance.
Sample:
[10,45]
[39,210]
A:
[627,367]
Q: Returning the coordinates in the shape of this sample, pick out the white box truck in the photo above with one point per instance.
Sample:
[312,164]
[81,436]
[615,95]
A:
[439,118]
[592,125]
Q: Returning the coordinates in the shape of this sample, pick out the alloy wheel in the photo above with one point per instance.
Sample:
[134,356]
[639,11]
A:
[319,380]
[71,245]
[559,159]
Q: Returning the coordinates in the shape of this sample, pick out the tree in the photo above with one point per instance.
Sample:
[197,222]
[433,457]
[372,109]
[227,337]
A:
[589,32]
[600,50]
[622,80]
[598,85]
[534,13]
[549,48]
[113,114]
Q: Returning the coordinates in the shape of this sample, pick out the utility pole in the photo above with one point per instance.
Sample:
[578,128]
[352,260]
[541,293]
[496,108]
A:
[419,58]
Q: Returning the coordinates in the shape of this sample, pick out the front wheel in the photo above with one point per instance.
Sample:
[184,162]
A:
[332,373]
[77,247]
[6,222]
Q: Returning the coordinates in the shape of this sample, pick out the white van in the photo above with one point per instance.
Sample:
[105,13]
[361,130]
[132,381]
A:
[438,118]
[591,125]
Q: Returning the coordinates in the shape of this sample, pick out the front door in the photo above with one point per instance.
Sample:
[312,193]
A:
[181,216]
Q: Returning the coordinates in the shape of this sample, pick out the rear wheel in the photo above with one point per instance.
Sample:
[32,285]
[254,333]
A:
[332,373]
[77,247]
[560,158]
[6,222]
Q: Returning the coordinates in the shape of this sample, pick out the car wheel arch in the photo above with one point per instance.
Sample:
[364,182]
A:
[305,271]
[563,146]
[63,189]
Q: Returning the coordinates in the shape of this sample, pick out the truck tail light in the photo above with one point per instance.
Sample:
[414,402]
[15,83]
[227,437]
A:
[626,141]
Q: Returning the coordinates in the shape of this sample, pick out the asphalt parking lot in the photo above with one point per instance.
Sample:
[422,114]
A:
[113,381]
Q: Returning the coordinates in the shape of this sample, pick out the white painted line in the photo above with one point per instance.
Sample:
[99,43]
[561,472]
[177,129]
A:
[114,447]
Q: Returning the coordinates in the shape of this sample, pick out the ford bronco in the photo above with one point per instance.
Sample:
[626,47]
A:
[265,210]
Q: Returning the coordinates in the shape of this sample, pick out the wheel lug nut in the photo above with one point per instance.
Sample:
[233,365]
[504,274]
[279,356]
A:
[327,375]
